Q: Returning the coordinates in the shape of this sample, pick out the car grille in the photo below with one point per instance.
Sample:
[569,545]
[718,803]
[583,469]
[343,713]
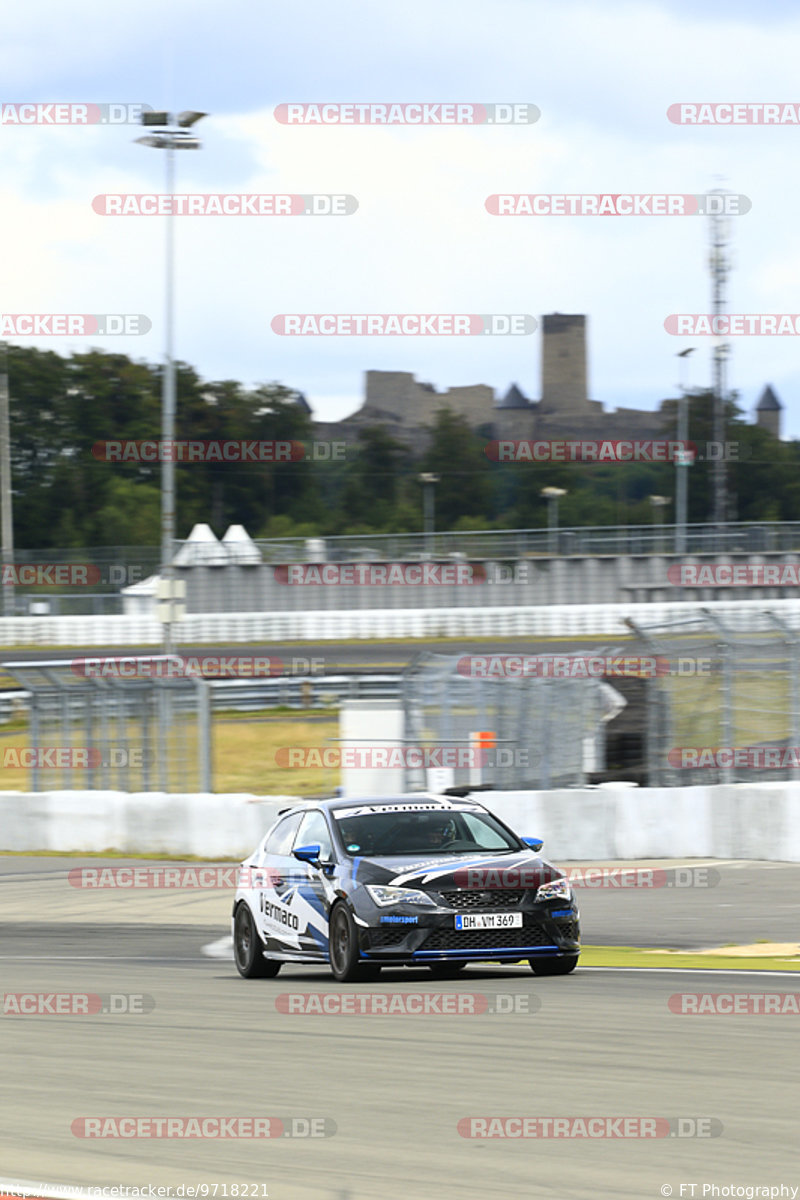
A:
[569,929]
[388,937]
[497,898]
[486,939]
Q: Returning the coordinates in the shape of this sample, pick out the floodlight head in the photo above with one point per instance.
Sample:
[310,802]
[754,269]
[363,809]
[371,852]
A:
[152,139]
[169,140]
[155,118]
[188,117]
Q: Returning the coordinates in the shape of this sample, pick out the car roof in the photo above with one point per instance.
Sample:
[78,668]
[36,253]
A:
[409,800]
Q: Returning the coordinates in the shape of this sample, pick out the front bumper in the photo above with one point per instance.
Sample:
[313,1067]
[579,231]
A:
[546,930]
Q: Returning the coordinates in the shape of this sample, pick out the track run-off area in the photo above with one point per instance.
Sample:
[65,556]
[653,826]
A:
[495,1084]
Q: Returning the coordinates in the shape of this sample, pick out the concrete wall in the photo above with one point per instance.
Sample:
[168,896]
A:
[607,579]
[745,821]
[232,628]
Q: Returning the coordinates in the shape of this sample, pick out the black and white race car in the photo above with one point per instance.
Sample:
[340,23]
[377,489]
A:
[409,881]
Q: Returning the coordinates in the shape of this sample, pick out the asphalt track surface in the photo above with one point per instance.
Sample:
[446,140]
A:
[597,1043]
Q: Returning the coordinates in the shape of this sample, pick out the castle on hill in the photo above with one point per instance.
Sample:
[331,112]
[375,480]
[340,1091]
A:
[406,408]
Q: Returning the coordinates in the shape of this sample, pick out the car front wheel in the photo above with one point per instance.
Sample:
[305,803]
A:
[554,966]
[343,945]
[248,949]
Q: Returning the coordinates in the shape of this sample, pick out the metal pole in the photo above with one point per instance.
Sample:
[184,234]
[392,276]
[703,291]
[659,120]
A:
[728,716]
[203,701]
[552,523]
[6,517]
[428,502]
[720,266]
[168,413]
[681,463]
[791,639]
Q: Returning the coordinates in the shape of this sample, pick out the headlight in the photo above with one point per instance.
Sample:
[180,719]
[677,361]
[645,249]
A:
[556,889]
[384,895]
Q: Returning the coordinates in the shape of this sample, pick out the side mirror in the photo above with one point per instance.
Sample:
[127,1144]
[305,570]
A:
[307,854]
[533,843]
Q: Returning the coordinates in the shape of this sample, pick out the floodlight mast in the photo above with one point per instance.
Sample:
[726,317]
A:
[169,139]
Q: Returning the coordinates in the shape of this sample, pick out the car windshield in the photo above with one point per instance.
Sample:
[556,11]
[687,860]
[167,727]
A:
[432,831]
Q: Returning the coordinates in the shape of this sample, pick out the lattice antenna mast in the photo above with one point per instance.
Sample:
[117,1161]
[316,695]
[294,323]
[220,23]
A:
[719,261]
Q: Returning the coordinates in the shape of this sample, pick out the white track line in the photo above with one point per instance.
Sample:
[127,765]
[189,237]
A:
[223,948]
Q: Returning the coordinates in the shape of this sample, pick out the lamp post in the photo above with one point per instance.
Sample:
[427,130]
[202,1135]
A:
[658,503]
[552,495]
[6,517]
[428,481]
[683,458]
[169,140]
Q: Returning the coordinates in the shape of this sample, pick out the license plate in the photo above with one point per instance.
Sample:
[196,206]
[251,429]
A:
[488,920]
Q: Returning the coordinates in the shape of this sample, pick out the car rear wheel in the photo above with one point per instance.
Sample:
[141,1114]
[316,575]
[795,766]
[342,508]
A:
[343,946]
[554,966]
[446,970]
[248,949]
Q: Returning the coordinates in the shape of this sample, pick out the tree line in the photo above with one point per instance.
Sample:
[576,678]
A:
[64,495]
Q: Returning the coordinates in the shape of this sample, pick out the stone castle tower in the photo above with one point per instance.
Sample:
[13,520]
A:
[768,412]
[564,381]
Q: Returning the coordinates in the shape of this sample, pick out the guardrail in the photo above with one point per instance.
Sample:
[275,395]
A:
[252,695]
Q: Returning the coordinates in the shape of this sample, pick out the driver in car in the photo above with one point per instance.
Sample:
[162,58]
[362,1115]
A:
[434,837]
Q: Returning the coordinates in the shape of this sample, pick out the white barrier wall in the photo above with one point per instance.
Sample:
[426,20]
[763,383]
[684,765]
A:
[746,821]
[225,628]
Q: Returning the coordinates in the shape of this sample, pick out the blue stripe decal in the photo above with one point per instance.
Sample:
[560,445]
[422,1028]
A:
[487,952]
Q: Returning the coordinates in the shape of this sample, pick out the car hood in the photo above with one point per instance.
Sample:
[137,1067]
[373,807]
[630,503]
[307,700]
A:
[448,872]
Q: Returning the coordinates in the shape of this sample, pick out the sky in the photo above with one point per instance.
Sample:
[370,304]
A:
[421,240]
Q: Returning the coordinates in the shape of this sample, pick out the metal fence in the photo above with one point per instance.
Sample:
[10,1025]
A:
[113,568]
[548,733]
[143,735]
[728,708]
[734,538]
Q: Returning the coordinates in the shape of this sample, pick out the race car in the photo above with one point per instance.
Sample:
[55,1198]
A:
[408,881]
